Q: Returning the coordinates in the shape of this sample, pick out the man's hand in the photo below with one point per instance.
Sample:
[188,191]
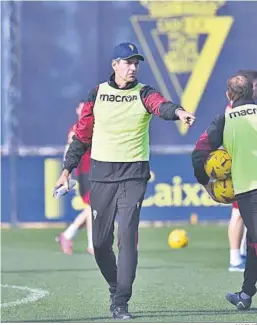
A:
[63,180]
[185,117]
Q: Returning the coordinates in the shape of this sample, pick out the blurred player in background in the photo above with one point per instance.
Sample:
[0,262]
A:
[236,229]
[84,218]
[237,240]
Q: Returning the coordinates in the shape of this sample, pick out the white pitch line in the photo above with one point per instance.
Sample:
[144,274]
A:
[34,295]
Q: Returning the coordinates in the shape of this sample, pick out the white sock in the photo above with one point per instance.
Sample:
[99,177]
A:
[243,245]
[70,232]
[89,239]
[235,258]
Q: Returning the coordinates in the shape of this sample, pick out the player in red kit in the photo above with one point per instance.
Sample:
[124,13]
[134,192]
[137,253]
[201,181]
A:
[84,218]
[236,229]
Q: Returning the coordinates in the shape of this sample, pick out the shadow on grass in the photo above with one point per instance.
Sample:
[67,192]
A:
[169,314]
[160,267]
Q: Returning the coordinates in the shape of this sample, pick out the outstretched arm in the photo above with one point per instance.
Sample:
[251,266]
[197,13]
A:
[156,104]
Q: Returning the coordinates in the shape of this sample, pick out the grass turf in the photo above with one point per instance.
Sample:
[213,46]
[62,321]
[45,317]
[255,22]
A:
[186,285]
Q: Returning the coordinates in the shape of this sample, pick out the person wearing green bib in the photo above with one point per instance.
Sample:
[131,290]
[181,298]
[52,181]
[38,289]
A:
[236,131]
[115,124]
[236,228]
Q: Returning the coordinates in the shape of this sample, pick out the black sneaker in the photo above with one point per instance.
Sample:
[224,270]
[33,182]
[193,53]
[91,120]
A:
[121,312]
[112,305]
[238,301]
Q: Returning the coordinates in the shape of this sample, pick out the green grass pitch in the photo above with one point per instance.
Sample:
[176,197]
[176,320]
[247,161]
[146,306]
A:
[186,285]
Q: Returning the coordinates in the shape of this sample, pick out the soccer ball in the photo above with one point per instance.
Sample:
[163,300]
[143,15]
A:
[223,190]
[178,238]
[218,164]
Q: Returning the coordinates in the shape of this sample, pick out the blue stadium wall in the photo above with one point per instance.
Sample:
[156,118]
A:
[172,194]
[190,49]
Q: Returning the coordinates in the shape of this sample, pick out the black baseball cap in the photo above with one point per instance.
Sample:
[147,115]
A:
[126,51]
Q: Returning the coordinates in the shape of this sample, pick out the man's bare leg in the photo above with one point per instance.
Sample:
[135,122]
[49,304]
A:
[235,232]
[69,234]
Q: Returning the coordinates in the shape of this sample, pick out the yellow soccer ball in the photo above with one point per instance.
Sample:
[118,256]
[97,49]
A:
[218,164]
[178,238]
[223,191]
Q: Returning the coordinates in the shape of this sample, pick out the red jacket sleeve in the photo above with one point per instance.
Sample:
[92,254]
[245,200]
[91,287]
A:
[83,134]
[156,104]
[84,127]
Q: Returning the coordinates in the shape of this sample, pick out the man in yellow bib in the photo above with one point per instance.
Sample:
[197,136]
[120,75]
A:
[115,124]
